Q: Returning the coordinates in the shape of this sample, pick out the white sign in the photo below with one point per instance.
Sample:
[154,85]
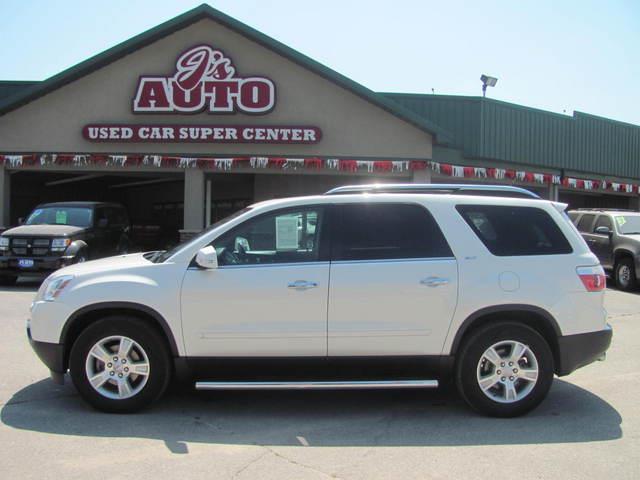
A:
[287,232]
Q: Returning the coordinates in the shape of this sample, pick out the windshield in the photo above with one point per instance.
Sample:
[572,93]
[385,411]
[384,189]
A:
[161,256]
[628,224]
[76,216]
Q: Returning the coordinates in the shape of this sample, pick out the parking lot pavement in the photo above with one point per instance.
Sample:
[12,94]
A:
[589,427]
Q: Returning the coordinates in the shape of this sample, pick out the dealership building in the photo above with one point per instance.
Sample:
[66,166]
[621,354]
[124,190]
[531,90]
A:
[203,115]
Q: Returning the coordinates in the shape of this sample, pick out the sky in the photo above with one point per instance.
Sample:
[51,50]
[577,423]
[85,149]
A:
[559,56]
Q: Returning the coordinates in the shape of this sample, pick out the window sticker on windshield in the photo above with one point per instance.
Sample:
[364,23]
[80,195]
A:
[61,217]
[621,221]
[287,233]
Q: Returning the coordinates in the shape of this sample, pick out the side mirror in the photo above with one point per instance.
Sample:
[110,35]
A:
[603,231]
[207,258]
[21,221]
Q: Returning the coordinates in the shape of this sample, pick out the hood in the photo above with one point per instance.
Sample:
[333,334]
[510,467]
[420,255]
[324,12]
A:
[43,231]
[109,264]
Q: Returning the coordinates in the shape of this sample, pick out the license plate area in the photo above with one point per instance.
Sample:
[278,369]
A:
[25,263]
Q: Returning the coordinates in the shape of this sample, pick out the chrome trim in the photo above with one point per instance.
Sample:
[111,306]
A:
[437,188]
[264,265]
[318,385]
[394,260]
[302,285]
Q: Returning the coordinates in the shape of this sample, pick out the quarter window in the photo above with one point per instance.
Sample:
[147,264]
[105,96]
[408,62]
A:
[284,236]
[512,231]
[370,231]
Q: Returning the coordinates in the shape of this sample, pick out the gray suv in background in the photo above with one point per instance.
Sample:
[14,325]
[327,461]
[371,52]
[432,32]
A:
[614,236]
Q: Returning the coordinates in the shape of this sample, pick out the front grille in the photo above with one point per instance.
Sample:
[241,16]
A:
[30,246]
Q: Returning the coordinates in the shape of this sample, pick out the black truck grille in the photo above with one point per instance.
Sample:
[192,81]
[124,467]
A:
[37,247]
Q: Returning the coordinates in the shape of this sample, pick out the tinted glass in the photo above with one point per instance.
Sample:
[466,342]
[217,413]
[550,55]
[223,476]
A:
[628,224]
[603,221]
[78,217]
[584,225]
[388,231]
[284,236]
[511,231]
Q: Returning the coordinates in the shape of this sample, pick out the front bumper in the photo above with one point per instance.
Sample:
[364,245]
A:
[51,354]
[41,265]
[576,351]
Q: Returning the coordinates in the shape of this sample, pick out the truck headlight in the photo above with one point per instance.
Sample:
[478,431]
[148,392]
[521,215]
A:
[60,244]
[54,287]
[4,244]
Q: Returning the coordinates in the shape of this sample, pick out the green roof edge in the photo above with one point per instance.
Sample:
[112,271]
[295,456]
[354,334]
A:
[198,13]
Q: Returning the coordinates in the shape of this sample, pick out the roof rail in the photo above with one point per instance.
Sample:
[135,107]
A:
[604,209]
[437,188]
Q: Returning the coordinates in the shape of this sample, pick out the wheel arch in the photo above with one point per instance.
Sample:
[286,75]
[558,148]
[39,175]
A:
[535,317]
[85,316]
[621,253]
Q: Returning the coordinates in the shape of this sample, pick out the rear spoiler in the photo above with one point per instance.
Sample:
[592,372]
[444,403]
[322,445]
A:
[559,206]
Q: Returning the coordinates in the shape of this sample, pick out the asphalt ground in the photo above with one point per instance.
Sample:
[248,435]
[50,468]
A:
[589,426]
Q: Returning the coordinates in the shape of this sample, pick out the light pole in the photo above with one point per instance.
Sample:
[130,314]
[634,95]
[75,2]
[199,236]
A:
[487,81]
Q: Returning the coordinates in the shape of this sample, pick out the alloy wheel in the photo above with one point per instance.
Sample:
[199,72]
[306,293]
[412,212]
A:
[117,367]
[507,371]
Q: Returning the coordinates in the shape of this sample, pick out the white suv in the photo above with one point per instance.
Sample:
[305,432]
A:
[363,287]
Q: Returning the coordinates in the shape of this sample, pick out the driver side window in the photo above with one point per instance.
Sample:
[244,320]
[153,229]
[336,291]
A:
[285,236]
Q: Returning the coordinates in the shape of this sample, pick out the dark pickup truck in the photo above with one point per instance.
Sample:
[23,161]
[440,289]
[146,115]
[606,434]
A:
[614,237]
[58,234]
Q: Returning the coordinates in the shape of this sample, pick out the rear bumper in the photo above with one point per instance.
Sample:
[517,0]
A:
[576,351]
[51,354]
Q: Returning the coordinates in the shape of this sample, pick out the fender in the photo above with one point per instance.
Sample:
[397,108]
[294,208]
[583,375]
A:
[75,247]
[131,306]
[513,307]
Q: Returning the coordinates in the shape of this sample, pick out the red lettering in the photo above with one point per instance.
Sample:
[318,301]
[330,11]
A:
[152,95]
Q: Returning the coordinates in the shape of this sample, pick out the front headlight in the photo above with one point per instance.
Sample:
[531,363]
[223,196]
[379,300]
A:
[4,243]
[60,244]
[54,287]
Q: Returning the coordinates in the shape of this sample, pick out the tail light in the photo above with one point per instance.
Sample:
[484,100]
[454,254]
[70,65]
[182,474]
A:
[593,278]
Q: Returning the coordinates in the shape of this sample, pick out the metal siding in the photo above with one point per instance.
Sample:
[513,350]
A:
[497,130]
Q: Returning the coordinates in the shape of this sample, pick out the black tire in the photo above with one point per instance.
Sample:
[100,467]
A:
[82,256]
[147,337]
[625,274]
[8,281]
[472,352]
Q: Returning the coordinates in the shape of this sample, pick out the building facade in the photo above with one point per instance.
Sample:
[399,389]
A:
[202,115]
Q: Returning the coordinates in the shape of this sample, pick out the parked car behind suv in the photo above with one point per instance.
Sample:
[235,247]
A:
[614,236]
[55,235]
[352,289]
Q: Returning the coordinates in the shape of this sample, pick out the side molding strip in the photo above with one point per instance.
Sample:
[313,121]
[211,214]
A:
[319,385]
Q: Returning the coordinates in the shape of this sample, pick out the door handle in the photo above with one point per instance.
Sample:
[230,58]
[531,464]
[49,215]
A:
[434,281]
[302,285]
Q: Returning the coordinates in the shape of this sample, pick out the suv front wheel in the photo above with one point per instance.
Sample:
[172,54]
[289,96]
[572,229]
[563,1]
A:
[120,364]
[504,369]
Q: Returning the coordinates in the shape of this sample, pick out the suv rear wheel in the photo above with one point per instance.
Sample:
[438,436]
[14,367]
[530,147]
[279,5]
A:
[625,274]
[120,364]
[504,369]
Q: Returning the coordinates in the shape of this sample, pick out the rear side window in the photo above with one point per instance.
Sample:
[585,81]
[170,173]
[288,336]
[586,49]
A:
[584,225]
[376,231]
[515,231]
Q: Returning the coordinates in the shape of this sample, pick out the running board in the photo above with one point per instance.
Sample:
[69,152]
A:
[320,385]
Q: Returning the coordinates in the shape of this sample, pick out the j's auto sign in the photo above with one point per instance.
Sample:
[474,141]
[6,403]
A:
[205,80]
